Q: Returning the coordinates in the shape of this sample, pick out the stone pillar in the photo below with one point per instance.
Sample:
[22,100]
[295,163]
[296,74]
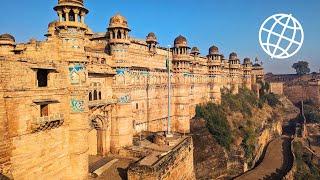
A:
[76,14]
[181,122]
[121,127]
[82,15]
[60,15]
[66,11]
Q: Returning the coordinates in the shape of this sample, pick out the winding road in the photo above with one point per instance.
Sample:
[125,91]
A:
[276,162]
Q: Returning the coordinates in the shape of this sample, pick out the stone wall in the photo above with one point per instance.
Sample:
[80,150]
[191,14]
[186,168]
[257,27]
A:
[176,165]
[276,88]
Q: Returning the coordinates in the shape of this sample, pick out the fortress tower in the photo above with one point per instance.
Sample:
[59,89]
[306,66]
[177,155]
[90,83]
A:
[181,63]
[152,43]
[215,72]
[247,71]
[234,70]
[118,32]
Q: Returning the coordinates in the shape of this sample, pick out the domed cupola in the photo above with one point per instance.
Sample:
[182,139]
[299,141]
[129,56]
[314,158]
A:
[233,56]
[180,41]
[7,39]
[152,42]
[71,13]
[234,62]
[214,54]
[118,30]
[7,44]
[247,61]
[151,38]
[118,21]
[195,51]
[213,50]
[180,46]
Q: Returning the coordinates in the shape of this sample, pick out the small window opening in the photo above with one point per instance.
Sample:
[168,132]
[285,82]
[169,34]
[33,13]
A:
[137,106]
[44,110]
[90,96]
[72,16]
[95,95]
[42,77]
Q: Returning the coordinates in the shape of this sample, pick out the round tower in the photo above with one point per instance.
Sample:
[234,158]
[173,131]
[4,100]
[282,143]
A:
[152,42]
[214,61]
[118,30]
[181,57]
[118,39]
[247,72]
[234,69]
[7,44]
[215,73]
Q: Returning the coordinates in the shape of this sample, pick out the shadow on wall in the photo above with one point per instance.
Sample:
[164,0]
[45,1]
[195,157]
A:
[3,177]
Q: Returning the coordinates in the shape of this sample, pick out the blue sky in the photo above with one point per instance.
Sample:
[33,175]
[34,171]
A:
[232,25]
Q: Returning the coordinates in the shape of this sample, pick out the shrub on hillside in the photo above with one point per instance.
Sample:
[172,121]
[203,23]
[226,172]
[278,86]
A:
[271,99]
[216,123]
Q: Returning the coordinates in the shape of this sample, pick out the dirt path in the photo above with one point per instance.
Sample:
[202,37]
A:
[276,162]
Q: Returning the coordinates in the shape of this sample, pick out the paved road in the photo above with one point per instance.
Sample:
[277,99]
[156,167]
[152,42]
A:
[276,162]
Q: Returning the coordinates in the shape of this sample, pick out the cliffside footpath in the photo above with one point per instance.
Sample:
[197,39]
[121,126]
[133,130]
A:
[231,137]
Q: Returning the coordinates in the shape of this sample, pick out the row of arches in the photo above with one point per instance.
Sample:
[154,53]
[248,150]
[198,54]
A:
[95,95]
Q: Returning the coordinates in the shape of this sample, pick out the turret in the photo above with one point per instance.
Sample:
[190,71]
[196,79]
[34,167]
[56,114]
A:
[118,30]
[195,51]
[214,61]
[7,44]
[247,71]
[152,42]
[181,57]
[71,14]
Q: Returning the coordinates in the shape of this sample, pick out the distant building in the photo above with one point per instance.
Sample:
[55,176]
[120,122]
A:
[81,93]
[296,87]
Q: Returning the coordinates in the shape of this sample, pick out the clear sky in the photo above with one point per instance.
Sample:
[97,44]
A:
[232,25]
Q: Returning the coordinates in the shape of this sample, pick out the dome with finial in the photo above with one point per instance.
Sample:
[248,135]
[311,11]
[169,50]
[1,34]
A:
[195,50]
[151,38]
[233,56]
[180,41]
[118,21]
[7,39]
[213,50]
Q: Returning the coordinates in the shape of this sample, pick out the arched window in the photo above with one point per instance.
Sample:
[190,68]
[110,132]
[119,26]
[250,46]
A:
[90,96]
[100,95]
[72,16]
[113,34]
[95,95]
[119,35]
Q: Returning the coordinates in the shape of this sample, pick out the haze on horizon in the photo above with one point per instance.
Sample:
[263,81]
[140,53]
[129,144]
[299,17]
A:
[231,25]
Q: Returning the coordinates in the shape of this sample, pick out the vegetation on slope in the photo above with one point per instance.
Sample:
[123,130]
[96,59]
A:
[311,112]
[305,168]
[244,102]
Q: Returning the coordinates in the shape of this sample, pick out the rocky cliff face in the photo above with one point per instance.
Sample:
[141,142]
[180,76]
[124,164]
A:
[215,162]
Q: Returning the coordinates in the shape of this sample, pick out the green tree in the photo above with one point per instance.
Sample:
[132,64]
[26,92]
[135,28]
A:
[301,67]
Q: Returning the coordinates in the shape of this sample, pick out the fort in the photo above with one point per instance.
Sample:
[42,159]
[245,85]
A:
[296,87]
[78,94]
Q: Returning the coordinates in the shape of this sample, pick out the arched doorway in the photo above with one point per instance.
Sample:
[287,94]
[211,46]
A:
[97,135]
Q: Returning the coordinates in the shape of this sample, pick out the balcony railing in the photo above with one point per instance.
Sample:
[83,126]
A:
[47,122]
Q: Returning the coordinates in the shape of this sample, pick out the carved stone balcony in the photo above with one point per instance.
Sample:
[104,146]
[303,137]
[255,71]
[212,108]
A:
[47,122]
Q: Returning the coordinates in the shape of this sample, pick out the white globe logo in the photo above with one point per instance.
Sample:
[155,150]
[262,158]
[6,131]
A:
[281,36]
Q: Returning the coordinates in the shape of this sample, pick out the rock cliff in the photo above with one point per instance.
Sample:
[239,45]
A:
[213,161]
